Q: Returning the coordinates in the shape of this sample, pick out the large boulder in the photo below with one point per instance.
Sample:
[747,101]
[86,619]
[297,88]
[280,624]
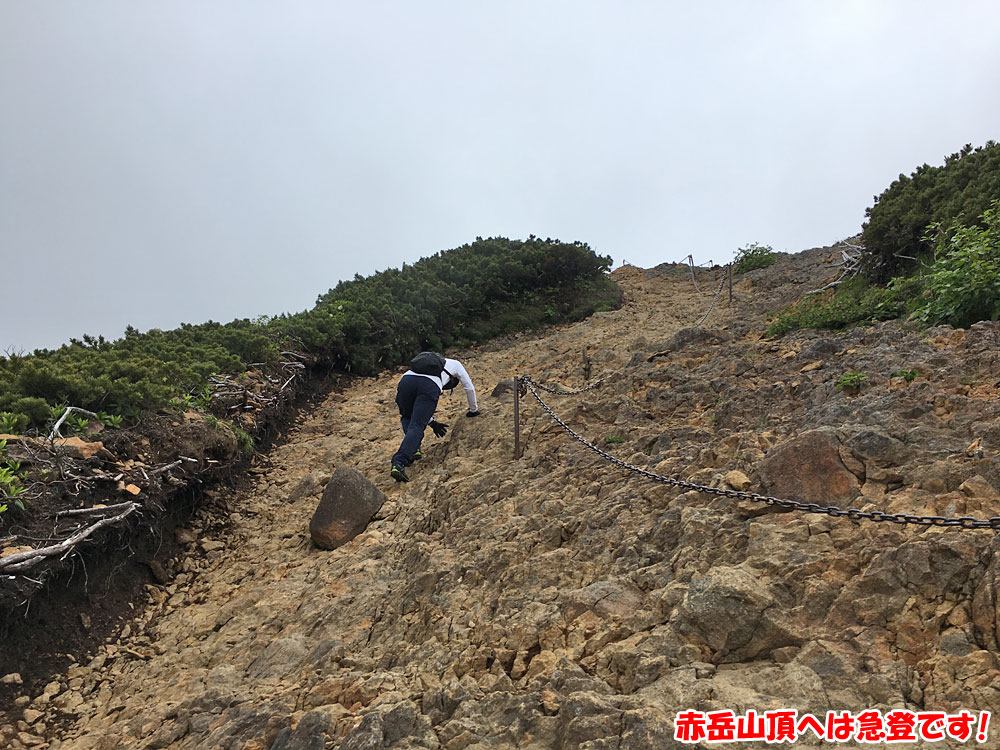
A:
[348,504]
[809,468]
[733,613]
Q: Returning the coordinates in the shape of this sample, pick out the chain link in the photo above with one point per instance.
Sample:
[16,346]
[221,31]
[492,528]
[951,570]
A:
[691,266]
[854,514]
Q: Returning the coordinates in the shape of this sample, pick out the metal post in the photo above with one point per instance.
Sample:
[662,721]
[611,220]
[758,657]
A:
[517,418]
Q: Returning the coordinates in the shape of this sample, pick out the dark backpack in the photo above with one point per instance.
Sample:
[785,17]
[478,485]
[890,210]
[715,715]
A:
[428,363]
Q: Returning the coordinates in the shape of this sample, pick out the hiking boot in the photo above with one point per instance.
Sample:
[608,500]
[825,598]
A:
[398,473]
[418,455]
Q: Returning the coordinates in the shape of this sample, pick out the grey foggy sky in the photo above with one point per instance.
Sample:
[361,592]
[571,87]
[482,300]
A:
[177,162]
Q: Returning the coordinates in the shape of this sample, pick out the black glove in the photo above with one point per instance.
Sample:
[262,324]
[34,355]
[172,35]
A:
[440,428]
[471,413]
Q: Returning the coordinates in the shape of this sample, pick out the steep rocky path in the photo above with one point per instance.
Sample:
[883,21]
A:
[556,602]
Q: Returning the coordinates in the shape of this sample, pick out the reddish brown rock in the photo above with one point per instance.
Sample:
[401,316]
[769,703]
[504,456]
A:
[79,448]
[808,468]
[74,447]
[349,502]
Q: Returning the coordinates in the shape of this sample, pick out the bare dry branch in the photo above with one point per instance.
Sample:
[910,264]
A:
[24,560]
[168,467]
[92,511]
[849,262]
[58,424]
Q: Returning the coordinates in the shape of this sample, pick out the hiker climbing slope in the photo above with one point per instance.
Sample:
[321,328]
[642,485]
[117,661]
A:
[417,396]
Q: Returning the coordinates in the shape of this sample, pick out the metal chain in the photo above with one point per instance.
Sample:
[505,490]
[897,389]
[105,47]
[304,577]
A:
[565,392]
[714,300]
[855,514]
[691,266]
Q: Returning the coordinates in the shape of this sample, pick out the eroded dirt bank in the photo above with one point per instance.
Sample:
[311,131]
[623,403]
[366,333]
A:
[556,602]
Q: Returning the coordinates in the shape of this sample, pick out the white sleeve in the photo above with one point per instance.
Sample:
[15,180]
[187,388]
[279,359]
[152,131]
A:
[455,368]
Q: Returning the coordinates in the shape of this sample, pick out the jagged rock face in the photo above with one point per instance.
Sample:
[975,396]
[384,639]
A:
[559,602]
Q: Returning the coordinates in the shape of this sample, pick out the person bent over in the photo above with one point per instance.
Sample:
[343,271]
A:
[417,397]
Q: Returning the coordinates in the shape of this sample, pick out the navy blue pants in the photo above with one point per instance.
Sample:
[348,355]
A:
[417,398]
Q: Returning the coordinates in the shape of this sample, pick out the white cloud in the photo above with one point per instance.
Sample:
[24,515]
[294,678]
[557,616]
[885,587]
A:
[183,161]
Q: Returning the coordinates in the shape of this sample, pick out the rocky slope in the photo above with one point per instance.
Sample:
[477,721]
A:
[559,602]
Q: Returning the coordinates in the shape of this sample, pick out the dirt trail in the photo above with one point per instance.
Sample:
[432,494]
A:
[264,570]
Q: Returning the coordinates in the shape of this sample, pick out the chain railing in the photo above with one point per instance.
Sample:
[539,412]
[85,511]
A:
[563,391]
[519,391]
[691,267]
[524,383]
[715,299]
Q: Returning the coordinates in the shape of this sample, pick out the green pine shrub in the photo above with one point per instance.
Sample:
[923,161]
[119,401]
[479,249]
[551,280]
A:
[960,190]
[455,297]
[753,256]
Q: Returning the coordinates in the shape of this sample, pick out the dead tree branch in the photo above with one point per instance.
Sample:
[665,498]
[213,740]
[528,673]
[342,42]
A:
[101,509]
[58,424]
[24,560]
[850,262]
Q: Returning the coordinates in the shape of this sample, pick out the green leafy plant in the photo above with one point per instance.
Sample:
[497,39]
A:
[963,285]
[77,423]
[851,381]
[244,440]
[203,399]
[10,480]
[614,440]
[855,302]
[12,424]
[114,421]
[753,256]
[908,375]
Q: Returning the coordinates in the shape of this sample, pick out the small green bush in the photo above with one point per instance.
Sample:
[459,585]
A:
[854,302]
[10,480]
[851,381]
[908,375]
[112,421]
[244,440]
[614,440]
[753,256]
[963,285]
[77,424]
[13,424]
